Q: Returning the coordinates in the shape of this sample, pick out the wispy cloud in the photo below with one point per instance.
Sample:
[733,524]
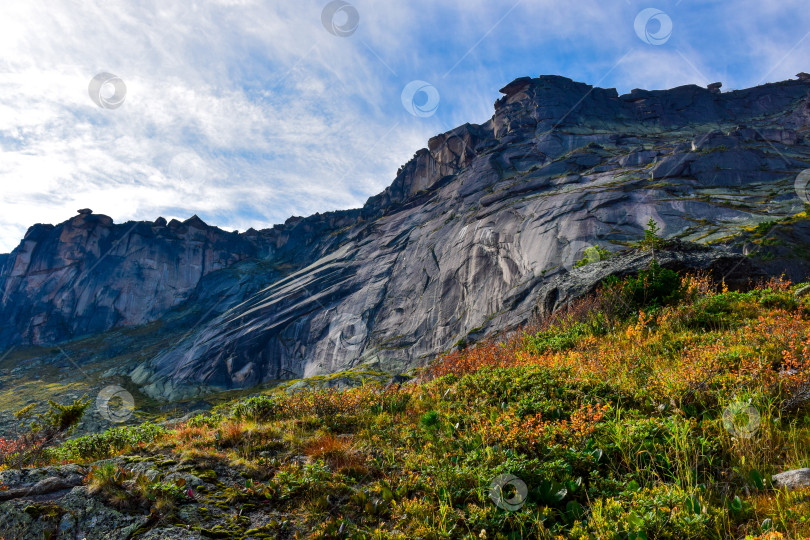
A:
[248,111]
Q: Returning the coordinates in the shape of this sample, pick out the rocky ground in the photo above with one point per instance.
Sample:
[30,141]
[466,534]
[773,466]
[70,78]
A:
[51,502]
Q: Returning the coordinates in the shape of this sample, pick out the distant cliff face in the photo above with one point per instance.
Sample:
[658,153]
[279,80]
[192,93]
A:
[88,275]
[460,244]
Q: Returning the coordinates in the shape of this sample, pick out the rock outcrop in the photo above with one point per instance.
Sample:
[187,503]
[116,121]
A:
[88,275]
[792,480]
[471,232]
[735,269]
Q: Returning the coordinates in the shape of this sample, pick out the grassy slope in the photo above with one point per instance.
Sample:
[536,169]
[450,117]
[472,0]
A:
[612,418]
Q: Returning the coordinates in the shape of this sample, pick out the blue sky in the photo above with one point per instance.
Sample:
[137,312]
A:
[247,112]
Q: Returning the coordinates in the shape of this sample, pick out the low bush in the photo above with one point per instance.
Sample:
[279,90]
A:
[653,287]
[46,430]
[262,408]
[108,443]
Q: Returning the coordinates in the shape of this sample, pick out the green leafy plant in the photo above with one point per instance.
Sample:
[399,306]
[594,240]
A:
[593,254]
[430,420]
[557,340]
[654,286]
[108,443]
[261,408]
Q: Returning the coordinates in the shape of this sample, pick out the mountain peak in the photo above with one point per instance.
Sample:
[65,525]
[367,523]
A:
[460,242]
[195,221]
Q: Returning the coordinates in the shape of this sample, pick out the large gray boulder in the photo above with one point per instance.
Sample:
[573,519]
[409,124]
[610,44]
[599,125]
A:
[792,480]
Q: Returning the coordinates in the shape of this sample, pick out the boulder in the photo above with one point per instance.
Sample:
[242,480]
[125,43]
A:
[802,292]
[792,480]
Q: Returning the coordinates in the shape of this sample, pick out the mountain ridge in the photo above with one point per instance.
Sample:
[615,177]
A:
[512,202]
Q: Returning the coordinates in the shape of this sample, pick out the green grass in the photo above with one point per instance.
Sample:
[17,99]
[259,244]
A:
[612,418]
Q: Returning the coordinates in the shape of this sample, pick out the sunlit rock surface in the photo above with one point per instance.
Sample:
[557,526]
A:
[461,244]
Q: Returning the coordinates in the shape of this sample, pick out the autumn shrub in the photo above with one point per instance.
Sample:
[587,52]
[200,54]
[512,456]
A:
[194,436]
[331,403]
[489,353]
[46,430]
[261,408]
[532,434]
[108,443]
[231,434]
[335,451]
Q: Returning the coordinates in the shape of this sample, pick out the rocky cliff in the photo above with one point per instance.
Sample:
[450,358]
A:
[88,274]
[462,242]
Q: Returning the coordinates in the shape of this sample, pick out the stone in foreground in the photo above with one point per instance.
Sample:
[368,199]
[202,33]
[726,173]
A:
[792,480]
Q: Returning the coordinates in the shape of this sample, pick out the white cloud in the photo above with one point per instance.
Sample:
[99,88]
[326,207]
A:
[249,111]
[253,107]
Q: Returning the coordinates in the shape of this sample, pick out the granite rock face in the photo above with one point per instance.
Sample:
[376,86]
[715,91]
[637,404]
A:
[791,480]
[470,234]
[88,275]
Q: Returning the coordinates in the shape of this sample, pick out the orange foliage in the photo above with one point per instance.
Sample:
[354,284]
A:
[637,331]
[231,433]
[765,353]
[187,433]
[697,285]
[489,353]
[325,445]
[333,402]
[335,451]
[532,432]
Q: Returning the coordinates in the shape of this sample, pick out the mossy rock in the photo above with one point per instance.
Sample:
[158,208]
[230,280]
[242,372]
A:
[206,475]
[49,511]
